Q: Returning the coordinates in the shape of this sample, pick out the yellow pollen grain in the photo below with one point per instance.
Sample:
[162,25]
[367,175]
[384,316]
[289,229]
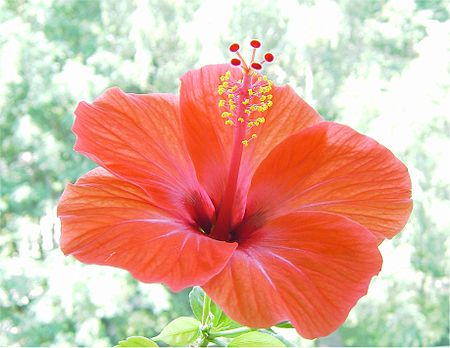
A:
[257,99]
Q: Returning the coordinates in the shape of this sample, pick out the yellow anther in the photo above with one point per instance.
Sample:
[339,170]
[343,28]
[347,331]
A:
[255,98]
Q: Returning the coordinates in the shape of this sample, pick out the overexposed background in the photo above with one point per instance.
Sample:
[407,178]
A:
[381,67]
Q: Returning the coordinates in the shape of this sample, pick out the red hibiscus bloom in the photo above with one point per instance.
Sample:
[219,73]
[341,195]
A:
[240,187]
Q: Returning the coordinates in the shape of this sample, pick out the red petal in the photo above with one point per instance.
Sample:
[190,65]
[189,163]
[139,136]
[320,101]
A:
[139,139]
[209,140]
[330,167]
[107,221]
[288,115]
[310,268]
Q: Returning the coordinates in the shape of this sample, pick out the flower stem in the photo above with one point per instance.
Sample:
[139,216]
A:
[204,342]
[218,342]
[231,333]
[277,335]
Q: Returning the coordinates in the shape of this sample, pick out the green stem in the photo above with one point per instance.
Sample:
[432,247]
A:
[206,308]
[204,342]
[277,335]
[218,342]
[231,333]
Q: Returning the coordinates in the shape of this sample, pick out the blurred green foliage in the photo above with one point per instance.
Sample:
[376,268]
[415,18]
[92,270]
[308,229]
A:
[380,66]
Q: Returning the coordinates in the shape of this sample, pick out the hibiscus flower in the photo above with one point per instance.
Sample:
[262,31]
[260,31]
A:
[238,186]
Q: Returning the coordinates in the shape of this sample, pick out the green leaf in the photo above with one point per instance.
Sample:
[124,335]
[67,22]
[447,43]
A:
[220,320]
[180,332]
[196,297]
[285,325]
[255,339]
[224,322]
[137,341]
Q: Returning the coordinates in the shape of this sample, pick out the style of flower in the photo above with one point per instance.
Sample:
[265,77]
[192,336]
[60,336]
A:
[238,186]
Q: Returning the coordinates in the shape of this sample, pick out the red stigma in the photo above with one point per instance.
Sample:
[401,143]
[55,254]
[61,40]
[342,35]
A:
[269,57]
[255,43]
[252,64]
[234,47]
[256,66]
[235,62]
